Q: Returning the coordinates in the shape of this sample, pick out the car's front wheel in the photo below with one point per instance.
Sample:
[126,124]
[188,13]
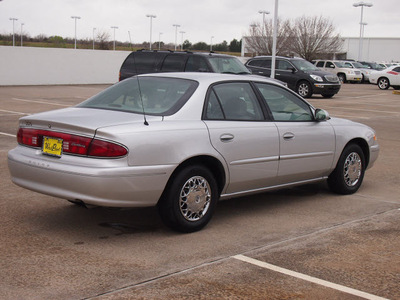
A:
[304,89]
[349,172]
[383,83]
[342,78]
[189,200]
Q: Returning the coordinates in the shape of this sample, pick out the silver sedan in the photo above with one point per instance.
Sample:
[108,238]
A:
[182,141]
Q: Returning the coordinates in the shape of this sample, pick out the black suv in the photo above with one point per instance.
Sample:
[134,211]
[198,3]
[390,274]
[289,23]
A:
[144,61]
[300,75]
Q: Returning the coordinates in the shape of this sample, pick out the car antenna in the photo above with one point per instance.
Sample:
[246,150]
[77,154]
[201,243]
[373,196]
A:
[140,92]
[141,100]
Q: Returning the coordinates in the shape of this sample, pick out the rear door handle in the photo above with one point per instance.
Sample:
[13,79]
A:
[288,136]
[227,137]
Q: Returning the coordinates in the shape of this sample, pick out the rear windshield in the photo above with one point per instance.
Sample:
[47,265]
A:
[151,95]
[230,65]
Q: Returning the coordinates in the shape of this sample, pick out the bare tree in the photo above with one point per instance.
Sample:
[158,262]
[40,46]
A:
[260,38]
[313,37]
[103,38]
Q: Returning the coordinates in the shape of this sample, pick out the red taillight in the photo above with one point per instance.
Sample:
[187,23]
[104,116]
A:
[73,144]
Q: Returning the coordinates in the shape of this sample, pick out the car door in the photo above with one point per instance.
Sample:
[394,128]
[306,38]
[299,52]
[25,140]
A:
[394,76]
[239,132]
[285,73]
[306,146]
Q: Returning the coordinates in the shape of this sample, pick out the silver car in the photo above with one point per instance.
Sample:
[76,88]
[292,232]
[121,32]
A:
[182,141]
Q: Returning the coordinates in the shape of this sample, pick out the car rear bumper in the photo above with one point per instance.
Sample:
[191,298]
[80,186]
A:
[326,88]
[110,186]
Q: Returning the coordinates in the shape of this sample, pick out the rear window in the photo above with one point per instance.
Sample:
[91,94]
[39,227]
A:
[151,95]
[230,65]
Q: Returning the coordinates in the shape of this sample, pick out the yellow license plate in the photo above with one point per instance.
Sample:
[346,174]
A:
[52,146]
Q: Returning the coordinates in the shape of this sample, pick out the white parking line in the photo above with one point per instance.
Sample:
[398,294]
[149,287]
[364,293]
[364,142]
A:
[7,134]
[41,102]
[14,112]
[325,283]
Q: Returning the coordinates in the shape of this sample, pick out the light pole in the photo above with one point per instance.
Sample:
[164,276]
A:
[22,24]
[114,27]
[151,25]
[76,18]
[176,33]
[181,32]
[274,40]
[159,40]
[263,12]
[13,20]
[362,4]
[94,29]
[211,43]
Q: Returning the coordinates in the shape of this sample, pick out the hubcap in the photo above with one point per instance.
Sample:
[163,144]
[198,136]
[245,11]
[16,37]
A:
[352,169]
[303,90]
[383,83]
[195,198]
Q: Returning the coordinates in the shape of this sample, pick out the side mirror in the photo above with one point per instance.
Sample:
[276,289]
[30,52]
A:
[293,70]
[332,66]
[321,115]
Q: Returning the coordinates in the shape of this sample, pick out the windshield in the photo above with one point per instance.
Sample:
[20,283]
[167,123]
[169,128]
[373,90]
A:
[358,65]
[225,64]
[151,95]
[304,65]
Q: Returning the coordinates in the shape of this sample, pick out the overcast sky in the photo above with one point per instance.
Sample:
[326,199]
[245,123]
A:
[201,19]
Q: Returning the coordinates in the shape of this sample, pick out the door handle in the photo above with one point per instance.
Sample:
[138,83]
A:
[227,137]
[288,136]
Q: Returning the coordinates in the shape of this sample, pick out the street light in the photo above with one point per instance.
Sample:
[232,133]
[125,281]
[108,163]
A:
[13,20]
[181,32]
[94,29]
[151,25]
[76,18]
[263,12]
[211,43]
[22,24]
[274,39]
[176,33]
[159,40]
[362,4]
[114,27]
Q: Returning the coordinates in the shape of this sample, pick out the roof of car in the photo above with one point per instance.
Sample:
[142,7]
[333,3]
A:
[182,52]
[211,77]
[282,57]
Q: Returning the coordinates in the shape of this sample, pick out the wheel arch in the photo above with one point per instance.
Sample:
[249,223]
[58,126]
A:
[364,147]
[211,163]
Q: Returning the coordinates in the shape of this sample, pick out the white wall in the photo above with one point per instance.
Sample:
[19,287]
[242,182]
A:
[43,66]
[373,49]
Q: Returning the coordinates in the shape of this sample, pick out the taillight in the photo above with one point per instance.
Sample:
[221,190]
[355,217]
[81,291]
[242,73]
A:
[72,144]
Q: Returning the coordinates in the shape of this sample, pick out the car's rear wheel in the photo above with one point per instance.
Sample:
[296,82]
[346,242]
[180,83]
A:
[189,200]
[304,89]
[383,83]
[349,172]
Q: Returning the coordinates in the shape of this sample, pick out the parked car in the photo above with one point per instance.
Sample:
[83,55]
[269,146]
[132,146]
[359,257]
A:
[365,70]
[338,68]
[372,65]
[145,61]
[386,78]
[300,75]
[182,141]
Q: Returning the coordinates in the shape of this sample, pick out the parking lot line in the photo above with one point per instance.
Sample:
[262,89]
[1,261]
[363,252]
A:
[14,112]
[315,280]
[41,102]
[7,134]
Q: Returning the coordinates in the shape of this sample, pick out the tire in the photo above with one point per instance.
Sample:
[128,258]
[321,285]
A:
[304,89]
[189,200]
[383,83]
[327,95]
[349,172]
[342,78]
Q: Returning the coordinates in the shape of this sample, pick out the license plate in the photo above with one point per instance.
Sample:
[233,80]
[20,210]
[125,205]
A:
[52,146]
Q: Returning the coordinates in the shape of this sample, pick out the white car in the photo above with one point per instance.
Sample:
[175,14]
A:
[386,78]
[338,68]
[182,141]
[365,70]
